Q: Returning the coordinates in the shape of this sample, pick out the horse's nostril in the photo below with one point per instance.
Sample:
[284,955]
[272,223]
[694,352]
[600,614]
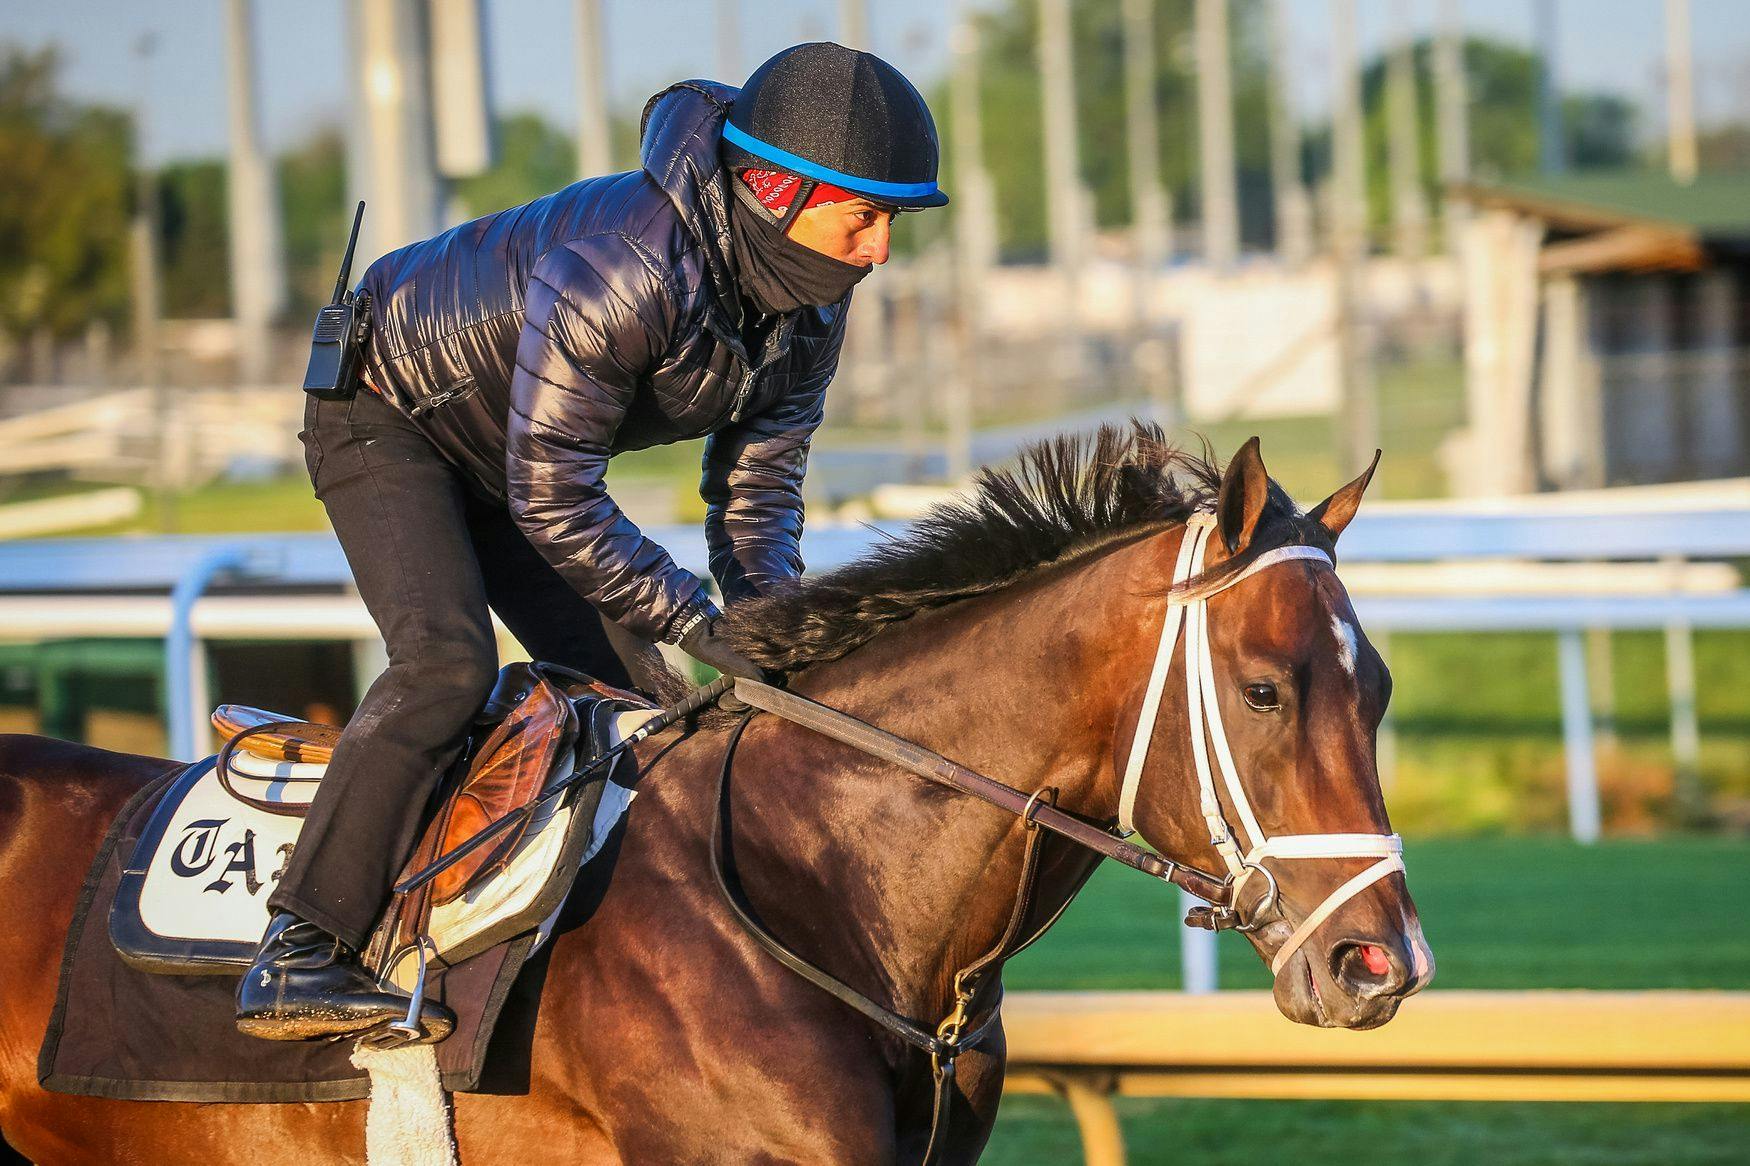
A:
[1366,969]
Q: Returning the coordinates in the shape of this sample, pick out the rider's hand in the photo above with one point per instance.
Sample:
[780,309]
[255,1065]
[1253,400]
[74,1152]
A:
[699,640]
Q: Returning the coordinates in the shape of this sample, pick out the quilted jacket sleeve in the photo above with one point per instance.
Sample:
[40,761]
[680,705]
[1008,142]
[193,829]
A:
[598,315]
[752,481]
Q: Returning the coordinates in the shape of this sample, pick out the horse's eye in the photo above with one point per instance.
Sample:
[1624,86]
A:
[1262,697]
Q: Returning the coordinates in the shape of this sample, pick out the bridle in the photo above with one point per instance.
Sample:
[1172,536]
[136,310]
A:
[968,1023]
[1203,706]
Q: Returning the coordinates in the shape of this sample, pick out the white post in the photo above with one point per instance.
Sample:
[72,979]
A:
[257,273]
[1552,147]
[1150,216]
[729,42]
[456,64]
[1409,211]
[1685,722]
[1197,953]
[1385,747]
[1293,209]
[1065,201]
[1679,92]
[1359,419]
[1215,136]
[1583,811]
[1452,116]
[391,141]
[200,703]
[1063,182]
[594,140]
[370,659]
[974,241]
[853,24]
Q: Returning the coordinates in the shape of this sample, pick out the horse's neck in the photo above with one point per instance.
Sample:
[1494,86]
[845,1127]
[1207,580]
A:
[1024,686]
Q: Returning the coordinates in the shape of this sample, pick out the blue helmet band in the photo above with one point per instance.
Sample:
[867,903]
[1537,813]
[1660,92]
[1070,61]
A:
[800,165]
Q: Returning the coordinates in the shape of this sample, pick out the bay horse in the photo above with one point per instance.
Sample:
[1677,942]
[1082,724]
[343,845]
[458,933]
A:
[1014,631]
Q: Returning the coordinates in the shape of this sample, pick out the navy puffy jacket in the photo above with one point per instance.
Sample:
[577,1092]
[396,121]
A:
[533,344]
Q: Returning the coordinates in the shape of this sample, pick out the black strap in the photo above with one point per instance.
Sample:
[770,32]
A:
[958,1031]
[910,1031]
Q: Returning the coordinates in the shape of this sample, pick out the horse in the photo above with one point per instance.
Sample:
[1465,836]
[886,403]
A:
[1015,630]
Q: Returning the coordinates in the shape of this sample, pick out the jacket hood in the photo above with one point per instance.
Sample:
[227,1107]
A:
[681,131]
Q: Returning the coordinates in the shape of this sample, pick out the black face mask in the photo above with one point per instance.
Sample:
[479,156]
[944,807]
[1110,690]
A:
[777,274]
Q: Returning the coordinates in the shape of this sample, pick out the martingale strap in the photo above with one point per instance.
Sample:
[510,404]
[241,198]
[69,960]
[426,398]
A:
[1189,619]
[978,991]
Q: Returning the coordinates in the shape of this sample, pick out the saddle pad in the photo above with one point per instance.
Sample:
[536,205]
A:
[193,895]
[120,1032]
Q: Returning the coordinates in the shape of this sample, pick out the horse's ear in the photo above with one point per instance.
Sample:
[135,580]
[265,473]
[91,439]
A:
[1335,512]
[1244,488]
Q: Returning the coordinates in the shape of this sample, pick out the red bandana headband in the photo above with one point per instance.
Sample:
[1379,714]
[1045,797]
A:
[776,190]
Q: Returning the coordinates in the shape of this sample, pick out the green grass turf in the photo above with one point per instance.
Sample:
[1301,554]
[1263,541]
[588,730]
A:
[1509,912]
[1034,1131]
[1500,913]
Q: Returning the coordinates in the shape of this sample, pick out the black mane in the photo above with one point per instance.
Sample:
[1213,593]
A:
[1066,497]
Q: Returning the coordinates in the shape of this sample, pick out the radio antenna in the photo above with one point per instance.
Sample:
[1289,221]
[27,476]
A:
[340,289]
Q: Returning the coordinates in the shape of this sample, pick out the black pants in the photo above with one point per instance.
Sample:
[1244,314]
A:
[430,556]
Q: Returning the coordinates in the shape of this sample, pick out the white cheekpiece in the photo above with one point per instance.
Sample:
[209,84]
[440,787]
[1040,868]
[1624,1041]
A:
[1207,735]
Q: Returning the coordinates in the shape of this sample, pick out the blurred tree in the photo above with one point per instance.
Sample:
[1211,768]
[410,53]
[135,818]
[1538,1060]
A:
[64,203]
[194,241]
[1502,80]
[1013,144]
[1725,148]
[1601,130]
[534,158]
[316,216]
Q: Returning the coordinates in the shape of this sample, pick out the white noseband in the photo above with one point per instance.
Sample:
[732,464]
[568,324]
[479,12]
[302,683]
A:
[1203,707]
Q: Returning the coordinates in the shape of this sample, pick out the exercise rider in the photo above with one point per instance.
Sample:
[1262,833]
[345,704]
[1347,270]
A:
[509,358]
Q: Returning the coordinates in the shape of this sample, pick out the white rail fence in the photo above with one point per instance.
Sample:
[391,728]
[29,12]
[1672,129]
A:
[1654,559]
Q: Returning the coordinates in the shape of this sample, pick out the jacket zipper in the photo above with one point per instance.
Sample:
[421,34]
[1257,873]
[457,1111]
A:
[741,395]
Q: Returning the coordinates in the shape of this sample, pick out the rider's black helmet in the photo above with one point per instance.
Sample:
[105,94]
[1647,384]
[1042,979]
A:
[843,117]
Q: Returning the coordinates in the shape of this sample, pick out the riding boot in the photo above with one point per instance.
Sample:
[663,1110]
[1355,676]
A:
[305,983]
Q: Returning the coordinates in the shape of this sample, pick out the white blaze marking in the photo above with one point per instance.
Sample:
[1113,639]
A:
[1345,633]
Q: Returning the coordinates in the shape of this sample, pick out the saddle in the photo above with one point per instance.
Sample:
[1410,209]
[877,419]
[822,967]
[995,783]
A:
[192,899]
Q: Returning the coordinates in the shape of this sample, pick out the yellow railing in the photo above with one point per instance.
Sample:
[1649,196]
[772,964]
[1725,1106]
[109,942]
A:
[1447,1046]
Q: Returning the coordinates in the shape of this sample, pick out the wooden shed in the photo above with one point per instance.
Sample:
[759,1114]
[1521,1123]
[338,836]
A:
[1606,326]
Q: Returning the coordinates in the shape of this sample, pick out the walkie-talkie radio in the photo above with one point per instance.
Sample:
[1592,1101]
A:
[341,329]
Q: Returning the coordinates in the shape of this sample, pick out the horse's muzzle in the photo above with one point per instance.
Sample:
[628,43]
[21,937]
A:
[1356,982]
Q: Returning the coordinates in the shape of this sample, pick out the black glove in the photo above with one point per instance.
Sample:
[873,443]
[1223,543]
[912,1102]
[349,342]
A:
[699,640]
